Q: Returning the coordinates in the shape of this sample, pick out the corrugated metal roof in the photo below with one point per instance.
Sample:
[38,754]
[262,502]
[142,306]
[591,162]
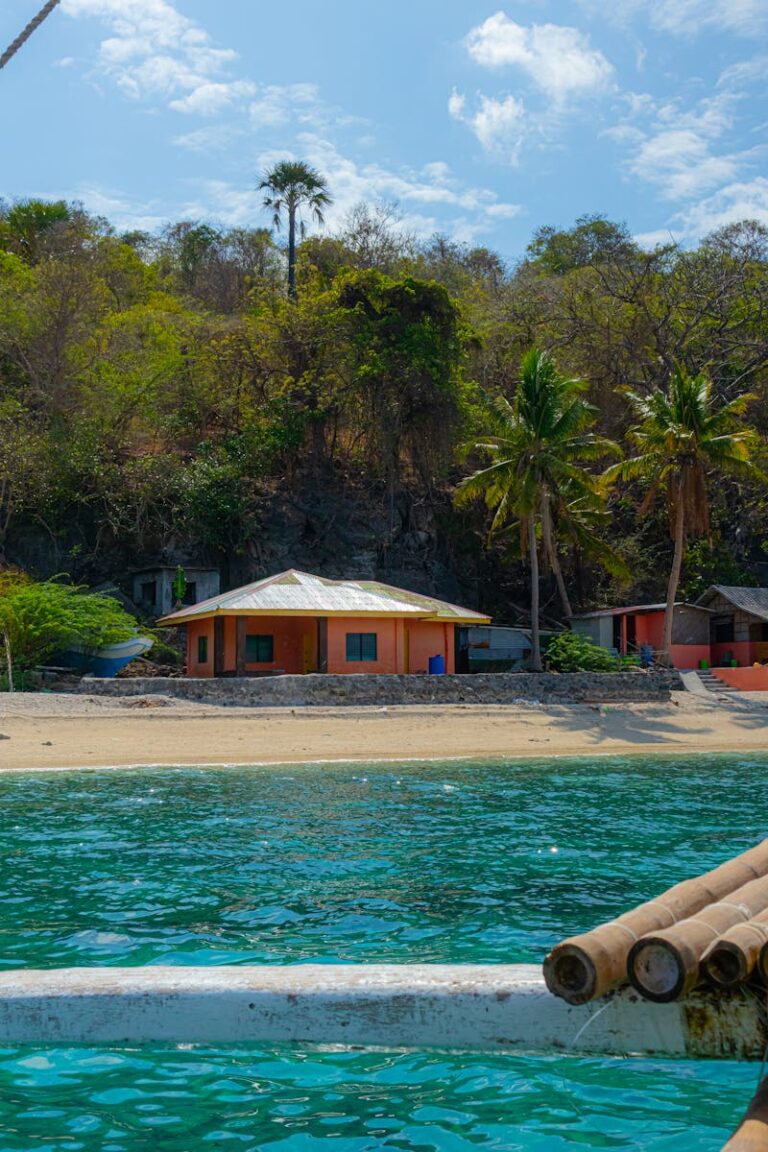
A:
[302,593]
[635,610]
[754,601]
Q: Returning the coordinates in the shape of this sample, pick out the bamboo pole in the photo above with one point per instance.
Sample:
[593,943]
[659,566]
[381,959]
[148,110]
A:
[665,965]
[734,957]
[584,967]
[762,963]
[752,1133]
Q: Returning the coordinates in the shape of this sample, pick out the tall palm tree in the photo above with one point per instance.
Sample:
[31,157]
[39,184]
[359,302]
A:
[682,435]
[288,187]
[537,445]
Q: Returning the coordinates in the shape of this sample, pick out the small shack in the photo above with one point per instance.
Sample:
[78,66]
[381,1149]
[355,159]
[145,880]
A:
[628,630]
[152,588]
[726,626]
[296,622]
[738,624]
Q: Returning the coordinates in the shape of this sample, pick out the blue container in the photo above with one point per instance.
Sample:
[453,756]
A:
[436,665]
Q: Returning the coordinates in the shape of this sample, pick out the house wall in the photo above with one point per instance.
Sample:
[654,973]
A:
[400,646]
[598,629]
[430,638]
[649,629]
[689,655]
[390,644]
[690,626]
[740,650]
[741,620]
[288,648]
[195,629]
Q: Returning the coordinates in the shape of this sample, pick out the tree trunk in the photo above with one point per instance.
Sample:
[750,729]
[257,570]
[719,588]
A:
[292,252]
[533,557]
[554,560]
[8,661]
[674,575]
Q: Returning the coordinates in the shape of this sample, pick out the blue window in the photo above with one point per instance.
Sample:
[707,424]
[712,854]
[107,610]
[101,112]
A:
[361,646]
[259,649]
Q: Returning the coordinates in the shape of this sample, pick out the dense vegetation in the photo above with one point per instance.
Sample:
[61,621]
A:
[164,397]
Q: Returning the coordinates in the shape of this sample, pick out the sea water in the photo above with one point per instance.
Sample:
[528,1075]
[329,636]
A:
[461,863]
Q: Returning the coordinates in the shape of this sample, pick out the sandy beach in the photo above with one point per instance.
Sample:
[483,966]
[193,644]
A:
[67,731]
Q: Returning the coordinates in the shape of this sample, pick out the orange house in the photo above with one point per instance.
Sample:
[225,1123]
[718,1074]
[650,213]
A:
[295,622]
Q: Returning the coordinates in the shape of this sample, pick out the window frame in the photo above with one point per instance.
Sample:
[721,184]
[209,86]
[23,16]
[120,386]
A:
[259,638]
[359,646]
[202,649]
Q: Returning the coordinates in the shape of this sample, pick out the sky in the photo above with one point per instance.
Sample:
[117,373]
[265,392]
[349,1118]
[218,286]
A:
[477,121]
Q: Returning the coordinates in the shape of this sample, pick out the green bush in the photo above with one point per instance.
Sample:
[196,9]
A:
[569,652]
[37,619]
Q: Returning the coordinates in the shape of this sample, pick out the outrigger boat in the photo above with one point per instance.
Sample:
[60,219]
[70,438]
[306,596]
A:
[106,662]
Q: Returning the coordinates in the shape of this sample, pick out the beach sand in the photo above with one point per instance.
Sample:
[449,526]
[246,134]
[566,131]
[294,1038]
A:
[49,730]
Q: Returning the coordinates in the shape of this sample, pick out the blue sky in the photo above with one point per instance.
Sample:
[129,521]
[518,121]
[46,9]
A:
[479,121]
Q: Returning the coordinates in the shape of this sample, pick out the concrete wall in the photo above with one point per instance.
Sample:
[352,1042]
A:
[324,690]
[745,679]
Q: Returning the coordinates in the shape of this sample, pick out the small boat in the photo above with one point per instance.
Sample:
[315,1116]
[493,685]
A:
[106,662]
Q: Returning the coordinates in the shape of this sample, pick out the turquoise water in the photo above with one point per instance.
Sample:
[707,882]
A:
[483,863]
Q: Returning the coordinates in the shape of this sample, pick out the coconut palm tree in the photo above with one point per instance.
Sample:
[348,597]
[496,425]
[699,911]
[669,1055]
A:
[683,434]
[288,187]
[537,445]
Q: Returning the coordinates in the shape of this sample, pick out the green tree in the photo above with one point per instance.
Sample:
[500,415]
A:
[592,241]
[37,619]
[288,188]
[537,446]
[407,342]
[25,223]
[682,436]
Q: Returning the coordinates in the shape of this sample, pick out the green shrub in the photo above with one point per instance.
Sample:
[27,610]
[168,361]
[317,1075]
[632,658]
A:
[569,652]
[37,619]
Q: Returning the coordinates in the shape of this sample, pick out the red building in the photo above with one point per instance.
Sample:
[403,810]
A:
[726,626]
[296,622]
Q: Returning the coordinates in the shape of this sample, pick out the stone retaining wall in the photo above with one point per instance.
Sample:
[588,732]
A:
[324,690]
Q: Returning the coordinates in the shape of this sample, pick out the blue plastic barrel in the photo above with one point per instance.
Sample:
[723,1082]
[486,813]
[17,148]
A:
[436,665]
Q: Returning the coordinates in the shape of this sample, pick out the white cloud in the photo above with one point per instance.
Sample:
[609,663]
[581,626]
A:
[556,59]
[680,152]
[209,99]
[213,138]
[687,17]
[277,105]
[429,200]
[155,51]
[125,214]
[681,163]
[499,124]
[739,200]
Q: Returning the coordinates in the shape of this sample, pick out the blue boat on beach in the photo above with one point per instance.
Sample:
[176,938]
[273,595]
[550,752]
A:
[106,662]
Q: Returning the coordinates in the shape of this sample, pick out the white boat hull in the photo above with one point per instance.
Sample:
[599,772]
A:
[489,1008]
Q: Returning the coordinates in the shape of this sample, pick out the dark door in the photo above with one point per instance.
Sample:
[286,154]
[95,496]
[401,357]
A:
[218,646]
[322,644]
[631,633]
